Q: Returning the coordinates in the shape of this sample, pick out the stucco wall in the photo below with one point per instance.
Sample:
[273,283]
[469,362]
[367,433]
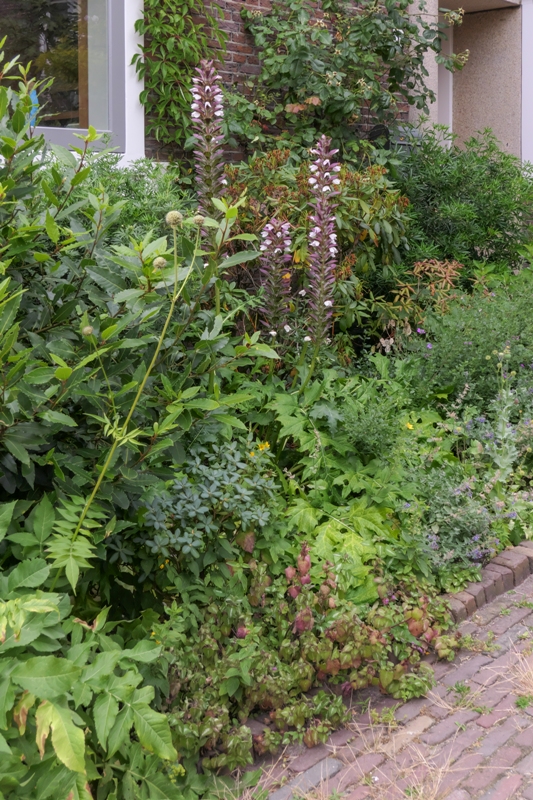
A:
[487,92]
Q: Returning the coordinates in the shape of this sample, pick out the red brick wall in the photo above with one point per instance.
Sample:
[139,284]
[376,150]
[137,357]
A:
[241,61]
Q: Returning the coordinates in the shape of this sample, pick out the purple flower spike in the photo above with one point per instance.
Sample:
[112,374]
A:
[207,112]
[275,273]
[323,250]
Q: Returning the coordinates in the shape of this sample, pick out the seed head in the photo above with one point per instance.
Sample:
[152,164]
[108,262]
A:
[160,262]
[198,220]
[87,330]
[174,219]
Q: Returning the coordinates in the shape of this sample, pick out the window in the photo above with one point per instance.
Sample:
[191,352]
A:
[70,41]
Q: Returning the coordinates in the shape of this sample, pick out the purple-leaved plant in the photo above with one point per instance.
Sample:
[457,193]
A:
[324,182]
[207,112]
[275,274]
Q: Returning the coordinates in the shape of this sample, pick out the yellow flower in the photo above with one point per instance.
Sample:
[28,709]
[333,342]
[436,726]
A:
[252,454]
[409,426]
[264,446]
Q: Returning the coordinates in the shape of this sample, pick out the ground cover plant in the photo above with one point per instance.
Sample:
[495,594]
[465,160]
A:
[213,497]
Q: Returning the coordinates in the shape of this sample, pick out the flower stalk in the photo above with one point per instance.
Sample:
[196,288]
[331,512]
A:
[275,274]
[207,113]
[323,250]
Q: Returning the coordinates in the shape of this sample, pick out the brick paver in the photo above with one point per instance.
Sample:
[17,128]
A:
[443,747]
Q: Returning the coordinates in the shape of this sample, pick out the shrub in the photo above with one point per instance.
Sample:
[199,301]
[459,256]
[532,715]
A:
[470,203]
[324,65]
[462,347]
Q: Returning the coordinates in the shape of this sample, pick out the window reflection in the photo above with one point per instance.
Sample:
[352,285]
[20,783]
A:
[65,40]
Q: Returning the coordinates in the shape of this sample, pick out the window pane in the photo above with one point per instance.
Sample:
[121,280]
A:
[65,40]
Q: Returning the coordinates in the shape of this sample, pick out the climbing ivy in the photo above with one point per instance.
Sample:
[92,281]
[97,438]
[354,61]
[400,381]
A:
[177,35]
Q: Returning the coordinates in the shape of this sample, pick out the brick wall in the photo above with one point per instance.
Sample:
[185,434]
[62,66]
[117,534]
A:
[241,61]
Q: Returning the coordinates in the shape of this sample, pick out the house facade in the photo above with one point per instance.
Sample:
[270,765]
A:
[87,47]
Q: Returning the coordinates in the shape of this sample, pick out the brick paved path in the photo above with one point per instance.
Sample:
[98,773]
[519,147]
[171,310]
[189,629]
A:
[468,740]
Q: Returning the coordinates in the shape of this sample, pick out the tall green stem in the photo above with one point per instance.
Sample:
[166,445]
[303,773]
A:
[311,370]
[175,297]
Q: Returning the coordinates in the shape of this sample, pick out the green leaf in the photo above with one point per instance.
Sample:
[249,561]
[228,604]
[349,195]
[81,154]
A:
[144,651]
[6,514]
[263,350]
[28,573]
[43,519]
[160,787]
[105,713]
[57,417]
[239,258]
[62,374]
[46,676]
[52,228]
[67,739]
[120,731]
[153,731]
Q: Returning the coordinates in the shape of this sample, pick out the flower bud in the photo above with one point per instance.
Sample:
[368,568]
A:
[290,572]
[242,632]
[87,330]
[305,579]
[174,219]
[294,591]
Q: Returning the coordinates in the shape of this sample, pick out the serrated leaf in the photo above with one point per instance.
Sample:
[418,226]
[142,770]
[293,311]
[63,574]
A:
[105,713]
[58,417]
[120,731]
[28,573]
[46,677]
[153,731]
[43,519]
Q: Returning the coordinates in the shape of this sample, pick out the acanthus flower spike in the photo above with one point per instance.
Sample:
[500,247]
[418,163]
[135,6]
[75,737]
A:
[275,273]
[207,113]
[323,250]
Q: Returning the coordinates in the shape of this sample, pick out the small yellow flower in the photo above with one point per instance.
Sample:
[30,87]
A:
[409,426]
[162,566]
[264,446]
[252,454]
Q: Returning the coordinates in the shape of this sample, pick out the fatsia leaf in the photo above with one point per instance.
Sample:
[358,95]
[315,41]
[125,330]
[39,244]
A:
[46,677]
[303,516]
[105,713]
[153,731]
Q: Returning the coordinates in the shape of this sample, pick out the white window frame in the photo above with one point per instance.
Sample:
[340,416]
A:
[126,114]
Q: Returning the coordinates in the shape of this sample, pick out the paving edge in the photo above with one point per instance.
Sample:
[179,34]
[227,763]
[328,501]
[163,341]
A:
[507,570]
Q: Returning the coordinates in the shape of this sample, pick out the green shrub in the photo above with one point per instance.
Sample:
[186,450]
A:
[462,346]
[469,203]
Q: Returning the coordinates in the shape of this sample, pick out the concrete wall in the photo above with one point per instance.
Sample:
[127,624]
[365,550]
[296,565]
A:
[487,92]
